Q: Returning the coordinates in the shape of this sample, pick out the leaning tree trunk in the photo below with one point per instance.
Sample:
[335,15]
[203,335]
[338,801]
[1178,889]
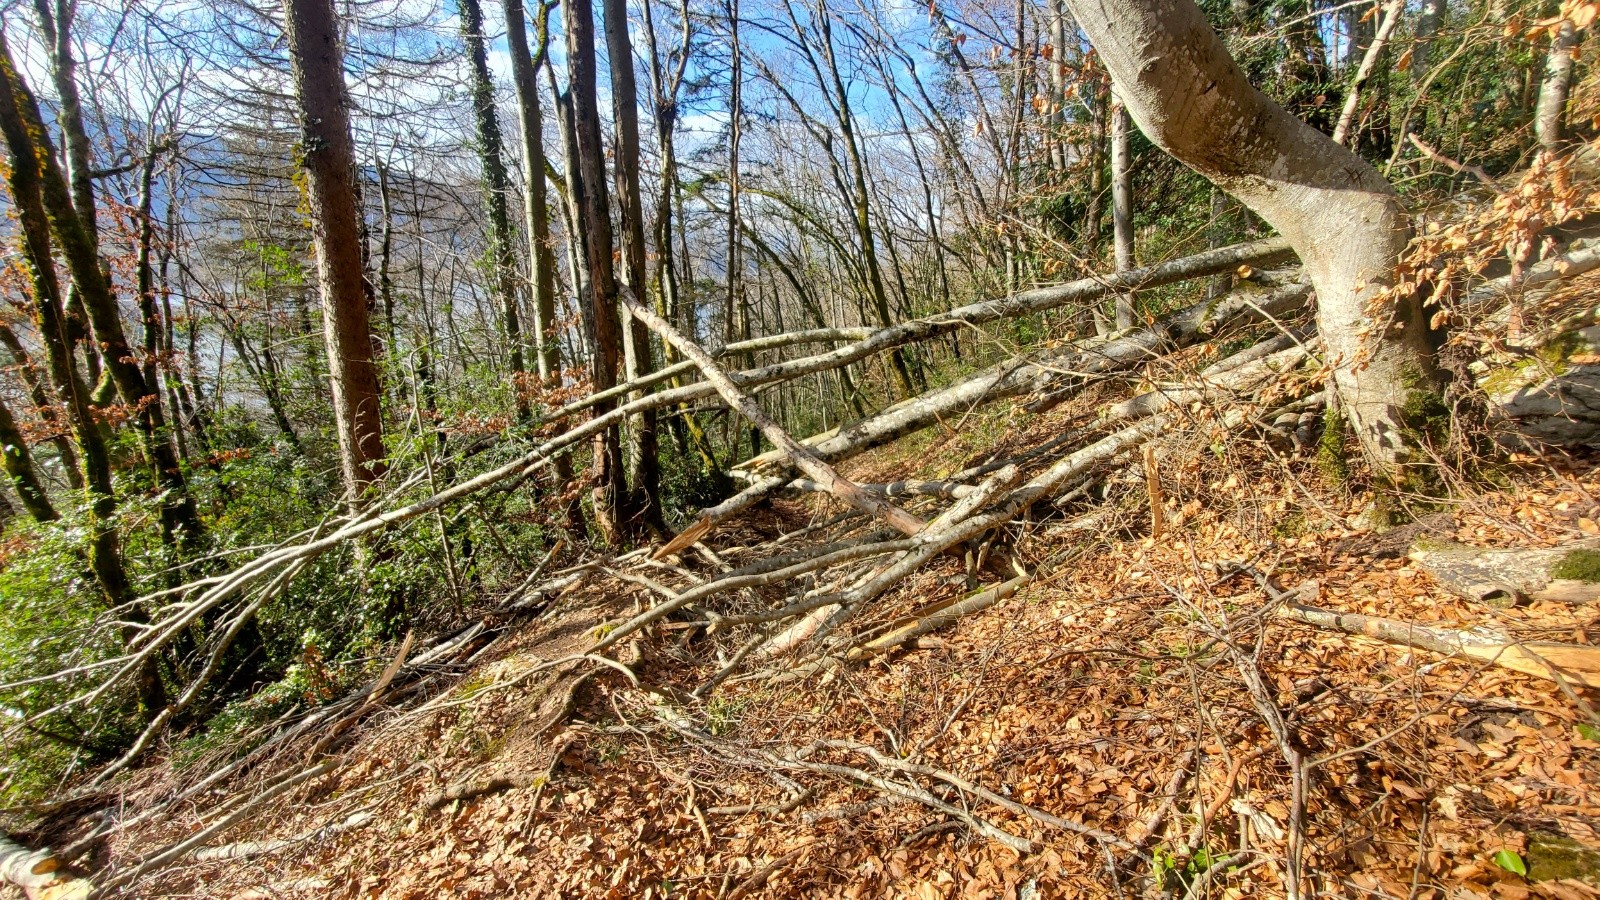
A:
[25,181]
[27,137]
[18,465]
[1345,221]
[330,166]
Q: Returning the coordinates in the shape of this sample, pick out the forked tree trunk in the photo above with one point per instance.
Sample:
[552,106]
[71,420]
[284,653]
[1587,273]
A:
[1345,221]
[330,165]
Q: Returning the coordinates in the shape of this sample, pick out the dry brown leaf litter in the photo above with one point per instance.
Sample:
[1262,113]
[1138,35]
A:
[1081,696]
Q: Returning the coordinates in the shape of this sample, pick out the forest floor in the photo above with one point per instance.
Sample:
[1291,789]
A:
[1098,694]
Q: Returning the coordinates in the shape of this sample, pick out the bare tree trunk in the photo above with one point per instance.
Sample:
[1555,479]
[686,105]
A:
[600,306]
[150,319]
[860,198]
[737,320]
[1121,205]
[1217,236]
[385,258]
[541,261]
[1343,219]
[1099,101]
[1369,63]
[1550,116]
[1058,85]
[536,213]
[55,24]
[178,399]
[1427,28]
[645,506]
[330,166]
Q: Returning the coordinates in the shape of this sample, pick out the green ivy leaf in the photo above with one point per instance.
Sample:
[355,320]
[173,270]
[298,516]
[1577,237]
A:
[1511,861]
[1588,732]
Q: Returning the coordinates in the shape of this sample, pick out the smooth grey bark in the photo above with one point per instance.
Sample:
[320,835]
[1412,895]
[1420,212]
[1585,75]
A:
[1344,220]
[1550,116]
[536,212]
[1121,205]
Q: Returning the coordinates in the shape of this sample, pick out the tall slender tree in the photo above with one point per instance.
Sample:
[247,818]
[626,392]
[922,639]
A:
[329,161]
[536,209]
[496,191]
[592,206]
[644,452]
[1121,205]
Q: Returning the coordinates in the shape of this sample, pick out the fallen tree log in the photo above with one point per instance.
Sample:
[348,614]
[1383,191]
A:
[948,490]
[219,588]
[1572,663]
[1508,577]
[169,855]
[1254,254]
[1053,372]
[1010,379]
[938,617]
[206,594]
[667,373]
[802,458]
[38,873]
[251,849]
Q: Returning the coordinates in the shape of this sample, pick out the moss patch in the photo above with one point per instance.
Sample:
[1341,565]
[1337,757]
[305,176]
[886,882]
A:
[1578,565]
[1425,414]
[1554,856]
[1551,360]
[1333,458]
